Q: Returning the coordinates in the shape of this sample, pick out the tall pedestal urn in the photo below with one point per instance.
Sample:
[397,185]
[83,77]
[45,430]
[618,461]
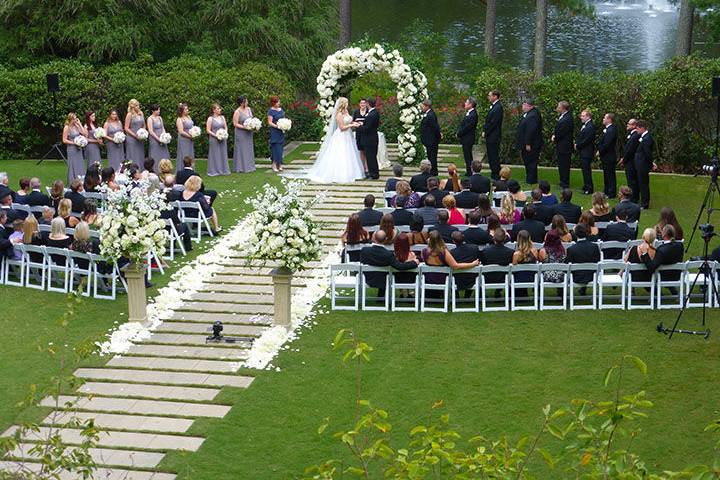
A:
[137,295]
[282,282]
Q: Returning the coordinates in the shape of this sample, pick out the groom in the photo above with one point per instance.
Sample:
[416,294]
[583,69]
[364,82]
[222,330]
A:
[369,131]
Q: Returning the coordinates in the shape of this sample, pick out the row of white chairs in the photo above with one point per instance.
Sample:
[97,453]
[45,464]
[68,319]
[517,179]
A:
[612,287]
[389,195]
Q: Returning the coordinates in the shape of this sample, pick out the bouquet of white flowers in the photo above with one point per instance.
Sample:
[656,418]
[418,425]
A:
[99,133]
[284,124]
[142,134]
[221,134]
[131,226]
[194,131]
[119,137]
[252,123]
[80,141]
[165,138]
[283,229]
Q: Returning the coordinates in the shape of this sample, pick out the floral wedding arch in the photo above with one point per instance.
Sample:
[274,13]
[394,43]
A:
[411,86]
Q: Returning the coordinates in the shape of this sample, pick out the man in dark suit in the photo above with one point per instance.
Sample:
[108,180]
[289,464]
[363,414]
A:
[464,253]
[418,183]
[628,159]
[359,117]
[377,255]
[563,140]
[474,234]
[442,226]
[631,209]
[430,134]
[585,146]
[187,172]
[369,217]
[607,151]
[617,231]
[496,254]
[6,206]
[369,132]
[5,186]
[492,133]
[543,213]
[479,183]
[535,228]
[529,139]
[433,189]
[36,198]
[391,183]
[570,212]
[467,132]
[75,196]
[669,253]
[644,162]
[466,198]
[428,212]
[583,252]
[400,215]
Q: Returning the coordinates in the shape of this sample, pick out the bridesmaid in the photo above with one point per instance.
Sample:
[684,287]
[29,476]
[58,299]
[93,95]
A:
[115,151]
[155,128]
[134,121]
[277,136]
[92,151]
[76,162]
[217,152]
[185,146]
[244,156]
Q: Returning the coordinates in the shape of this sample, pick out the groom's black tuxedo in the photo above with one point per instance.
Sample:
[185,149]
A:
[369,131]
[430,136]
[467,134]
[357,115]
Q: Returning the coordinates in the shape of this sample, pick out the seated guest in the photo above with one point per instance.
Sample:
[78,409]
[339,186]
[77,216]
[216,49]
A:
[465,198]
[617,231]
[593,232]
[82,241]
[48,214]
[387,225]
[484,209]
[464,253]
[535,228]
[401,216]
[17,237]
[413,198]
[452,183]
[553,251]
[64,211]
[518,195]
[456,216]
[377,255]
[77,199]
[418,183]
[443,227]
[508,214]
[403,254]
[165,167]
[543,213]
[428,212]
[368,215]
[134,176]
[474,234]
[566,208]
[437,255]
[354,234]
[635,254]
[6,247]
[583,251]
[525,253]
[192,193]
[57,237]
[669,252]
[478,183]
[501,185]
[6,205]
[548,198]
[182,229]
[4,232]
[57,193]
[5,186]
[600,210]
[147,172]
[171,194]
[493,225]
[667,217]
[558,224]
[108,179]
[92,179]
[626,204]
[433,190]
[391,182]
[32,236]
[36,198]
[23,192]
[90,214]
[417,233]
[187,172]
[496,254]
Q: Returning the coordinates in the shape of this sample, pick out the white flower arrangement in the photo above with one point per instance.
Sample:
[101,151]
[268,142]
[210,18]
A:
[165,138]
[80,141]
[119,137]
[253,123]
[284,124]
[221,134]
[131,226]
[283,229]
[142,134]
[412,86]
[99,133]
[194,131]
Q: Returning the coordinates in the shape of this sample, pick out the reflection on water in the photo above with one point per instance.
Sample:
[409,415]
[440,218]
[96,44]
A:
[624,34]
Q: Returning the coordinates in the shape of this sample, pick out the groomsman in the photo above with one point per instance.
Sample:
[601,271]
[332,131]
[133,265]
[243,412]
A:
[607,151]
[430,134]
[563,140]
[492,133]
[585,146]
[644,162]
[467,132]
[369,130]
[628,159]
[359,116]
[529,139]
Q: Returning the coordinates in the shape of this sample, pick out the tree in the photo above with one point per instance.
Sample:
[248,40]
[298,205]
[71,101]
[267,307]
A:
[685,28]
[345,22]
[490,23]
[540,37]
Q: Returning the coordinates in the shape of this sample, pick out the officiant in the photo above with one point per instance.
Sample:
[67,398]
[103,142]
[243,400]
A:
[359,117]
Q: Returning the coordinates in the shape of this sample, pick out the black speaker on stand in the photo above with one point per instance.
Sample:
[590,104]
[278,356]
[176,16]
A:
[53,86]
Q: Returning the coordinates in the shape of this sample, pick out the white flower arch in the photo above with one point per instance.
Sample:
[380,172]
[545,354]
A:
[411,86]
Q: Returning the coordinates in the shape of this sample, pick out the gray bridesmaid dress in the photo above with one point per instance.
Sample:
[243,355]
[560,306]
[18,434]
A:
[92,151]
[186,146]
[75,159]
[158,150]
[217,153]
[115,151]
[244,155]
[135,149]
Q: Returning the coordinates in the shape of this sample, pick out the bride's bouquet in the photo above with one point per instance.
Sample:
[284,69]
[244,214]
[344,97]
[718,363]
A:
[165,138]
[221,134]
[80,141]
[142,134]
[194,131]
[99,133]
[284,124]
[252,123]
[119,137]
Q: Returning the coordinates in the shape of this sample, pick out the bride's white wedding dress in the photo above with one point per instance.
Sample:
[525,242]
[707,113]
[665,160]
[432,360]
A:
[338,160]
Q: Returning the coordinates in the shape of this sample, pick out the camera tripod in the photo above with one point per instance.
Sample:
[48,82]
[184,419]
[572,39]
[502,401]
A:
[57,146]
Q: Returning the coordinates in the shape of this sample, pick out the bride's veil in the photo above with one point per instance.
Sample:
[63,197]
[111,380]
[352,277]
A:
[331,129]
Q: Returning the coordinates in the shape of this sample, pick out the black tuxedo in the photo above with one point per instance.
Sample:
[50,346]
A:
[78,201]
[570,212]
[5,191]
[401,216]
[379,256]
[493,136]
[418,183]
[535,228]
[643,165]
[12,215]
[467,133]
[543,213]
[629,150]
[370,217]
[477,236]
[445,230]
[38,199]
[358,135]
[465,253]
[467,199]
[583,251]
[529,132]
[430,137]
[480,183]
[616,232]
[668,253]
[607,148]
[369,131]
[563,146]
[437,194]
[495,255]
[585,146]
[631,209]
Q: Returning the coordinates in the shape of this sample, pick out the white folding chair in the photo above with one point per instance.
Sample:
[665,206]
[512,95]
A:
[19,207]
[443,287]
[475,290]
[58,261]
[345,276]
[674,278]
[573,284]
[635,282]
[191,214]
[703,284]
[13,267]
[80,266]
[555,269]
[611,274]
[154,262]
[350,249]
[35,266]
[365,269]
[612,250]
[102,272]
[400,304]
[515,284]
[487,286]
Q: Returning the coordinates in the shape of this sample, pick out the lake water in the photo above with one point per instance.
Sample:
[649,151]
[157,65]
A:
[624,34]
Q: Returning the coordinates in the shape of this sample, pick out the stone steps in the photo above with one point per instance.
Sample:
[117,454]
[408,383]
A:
[136,407]
[164,377]
[140,390]
[101,456]
[177,364]
[125,422]
[99,473]
[226,318]
[205,329]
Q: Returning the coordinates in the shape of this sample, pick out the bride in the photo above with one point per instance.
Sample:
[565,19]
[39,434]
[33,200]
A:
[338,160]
